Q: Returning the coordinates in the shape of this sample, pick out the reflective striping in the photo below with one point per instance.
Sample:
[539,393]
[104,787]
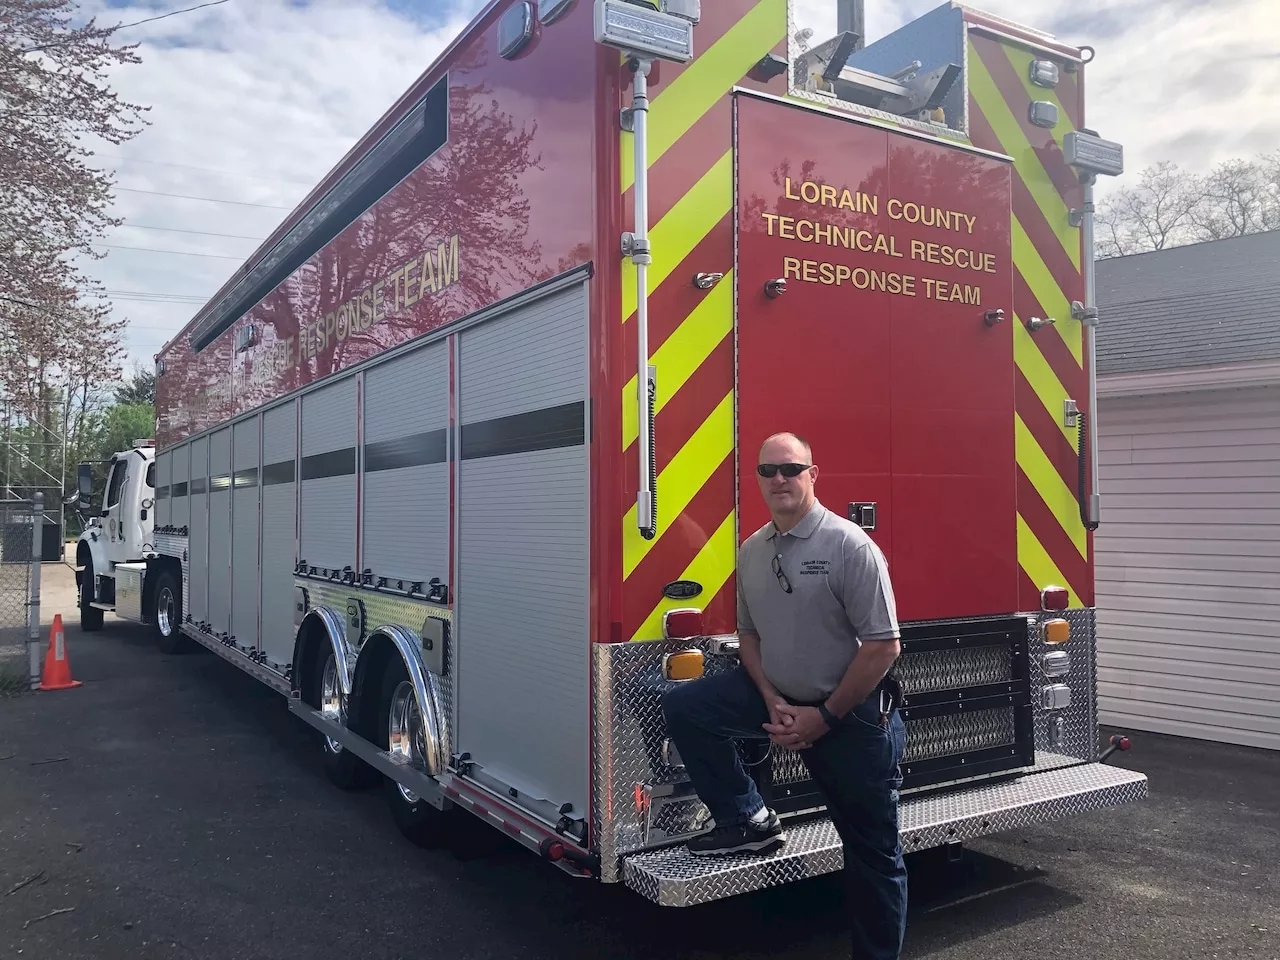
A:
[680,481]
[1027,165]
[683,352]
[1057,496]
[674,236]
[712,568]
[678,107]
[1045,430]
[1046,290]
[1039,566]
[1040,376]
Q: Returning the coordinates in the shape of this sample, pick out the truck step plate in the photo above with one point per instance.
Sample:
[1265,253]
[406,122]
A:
[674,877]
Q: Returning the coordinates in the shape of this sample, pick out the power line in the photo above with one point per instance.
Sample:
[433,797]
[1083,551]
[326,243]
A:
[183,196]
[123,26]
[202,233]
[181,253]
[148,293]
[187,166]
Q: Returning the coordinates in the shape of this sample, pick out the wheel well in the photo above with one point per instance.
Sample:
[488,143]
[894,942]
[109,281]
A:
[154,569]
[366,686]
[313,644]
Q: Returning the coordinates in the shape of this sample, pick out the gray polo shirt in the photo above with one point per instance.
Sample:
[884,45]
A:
[840,596]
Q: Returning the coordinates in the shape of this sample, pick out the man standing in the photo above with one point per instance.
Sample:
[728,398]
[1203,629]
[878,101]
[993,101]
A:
[818,632]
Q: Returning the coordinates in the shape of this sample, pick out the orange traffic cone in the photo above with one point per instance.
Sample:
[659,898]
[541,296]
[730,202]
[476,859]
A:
[57,669]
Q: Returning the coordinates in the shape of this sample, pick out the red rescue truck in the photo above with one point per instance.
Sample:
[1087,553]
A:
[459,459]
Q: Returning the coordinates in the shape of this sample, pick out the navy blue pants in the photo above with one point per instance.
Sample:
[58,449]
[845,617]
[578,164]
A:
[856,766]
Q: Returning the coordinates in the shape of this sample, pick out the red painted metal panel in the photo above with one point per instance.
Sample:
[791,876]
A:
[952,376]
[878,352]
[514,187]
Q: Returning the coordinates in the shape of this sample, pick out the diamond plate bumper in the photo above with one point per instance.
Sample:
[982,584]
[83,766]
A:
[674,877]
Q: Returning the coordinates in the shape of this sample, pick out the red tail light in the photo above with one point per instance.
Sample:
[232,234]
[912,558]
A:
[1053,598]
[682,624]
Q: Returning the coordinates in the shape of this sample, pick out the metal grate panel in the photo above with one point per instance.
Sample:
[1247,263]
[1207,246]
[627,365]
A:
[674,877]
[948,669]
[944,736]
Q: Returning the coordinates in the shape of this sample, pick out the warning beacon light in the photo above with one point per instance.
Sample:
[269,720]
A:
[640,30]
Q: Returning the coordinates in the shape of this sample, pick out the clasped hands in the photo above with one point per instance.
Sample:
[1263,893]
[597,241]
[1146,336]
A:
[792,727]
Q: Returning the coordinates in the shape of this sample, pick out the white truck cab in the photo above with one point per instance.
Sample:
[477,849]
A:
[117,567]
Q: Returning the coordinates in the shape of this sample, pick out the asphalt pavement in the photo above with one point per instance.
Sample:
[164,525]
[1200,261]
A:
[171,807]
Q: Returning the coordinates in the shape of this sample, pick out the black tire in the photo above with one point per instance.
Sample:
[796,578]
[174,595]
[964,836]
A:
[421,823]
[343,768]
[90,617]
[166,614]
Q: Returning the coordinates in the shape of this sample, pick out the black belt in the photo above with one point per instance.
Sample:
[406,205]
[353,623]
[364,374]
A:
[888,685]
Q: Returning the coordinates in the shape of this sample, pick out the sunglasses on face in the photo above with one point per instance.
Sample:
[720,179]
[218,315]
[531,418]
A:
[788,470]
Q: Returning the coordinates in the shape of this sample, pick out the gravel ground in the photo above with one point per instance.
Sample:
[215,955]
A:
[176,809]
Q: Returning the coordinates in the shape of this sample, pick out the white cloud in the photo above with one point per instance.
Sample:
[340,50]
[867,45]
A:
[273,93]
[268,92]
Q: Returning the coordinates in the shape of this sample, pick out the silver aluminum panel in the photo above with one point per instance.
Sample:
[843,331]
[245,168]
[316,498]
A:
[198,607]
[382,609]
[164,477]
[279,533]
[219,614]
[129,590]
[627,731]
[674,877]
[179,474]
[1080,719]
[244,536]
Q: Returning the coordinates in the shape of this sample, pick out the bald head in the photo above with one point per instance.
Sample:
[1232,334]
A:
[794,439]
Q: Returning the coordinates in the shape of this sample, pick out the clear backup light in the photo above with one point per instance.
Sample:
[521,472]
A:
[1044,73]
[643,31]
[1044,113]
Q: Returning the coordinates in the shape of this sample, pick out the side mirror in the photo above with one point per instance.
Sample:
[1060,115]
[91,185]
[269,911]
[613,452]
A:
[84,484]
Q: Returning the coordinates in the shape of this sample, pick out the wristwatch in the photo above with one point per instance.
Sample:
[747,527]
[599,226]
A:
[827,715]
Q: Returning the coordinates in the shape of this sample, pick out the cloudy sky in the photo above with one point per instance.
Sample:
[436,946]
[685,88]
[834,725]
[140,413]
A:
[252,101]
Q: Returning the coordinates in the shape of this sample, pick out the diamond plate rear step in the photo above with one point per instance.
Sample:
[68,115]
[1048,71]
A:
[674,877]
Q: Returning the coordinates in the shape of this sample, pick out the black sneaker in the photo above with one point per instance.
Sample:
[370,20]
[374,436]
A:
[746,837]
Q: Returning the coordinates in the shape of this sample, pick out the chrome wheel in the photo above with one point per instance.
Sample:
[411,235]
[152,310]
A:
[333,703]
[406,738]
[165,612]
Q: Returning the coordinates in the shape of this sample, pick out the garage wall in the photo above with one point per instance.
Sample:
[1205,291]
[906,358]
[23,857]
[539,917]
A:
[1188,564]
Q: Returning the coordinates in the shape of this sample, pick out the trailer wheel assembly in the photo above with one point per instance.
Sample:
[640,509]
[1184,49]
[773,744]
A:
[343,768]
[400,732]
[166,614]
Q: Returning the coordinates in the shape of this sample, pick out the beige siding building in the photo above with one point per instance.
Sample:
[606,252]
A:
[1188,551]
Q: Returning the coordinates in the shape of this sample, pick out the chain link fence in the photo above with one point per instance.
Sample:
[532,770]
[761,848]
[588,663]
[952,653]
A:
[21,527]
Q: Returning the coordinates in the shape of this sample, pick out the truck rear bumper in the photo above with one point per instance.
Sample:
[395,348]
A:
[674,877]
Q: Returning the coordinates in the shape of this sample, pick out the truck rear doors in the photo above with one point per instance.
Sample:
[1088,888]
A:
[883,349]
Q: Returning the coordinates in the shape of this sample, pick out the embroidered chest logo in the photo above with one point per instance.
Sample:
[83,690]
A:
[818,568]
